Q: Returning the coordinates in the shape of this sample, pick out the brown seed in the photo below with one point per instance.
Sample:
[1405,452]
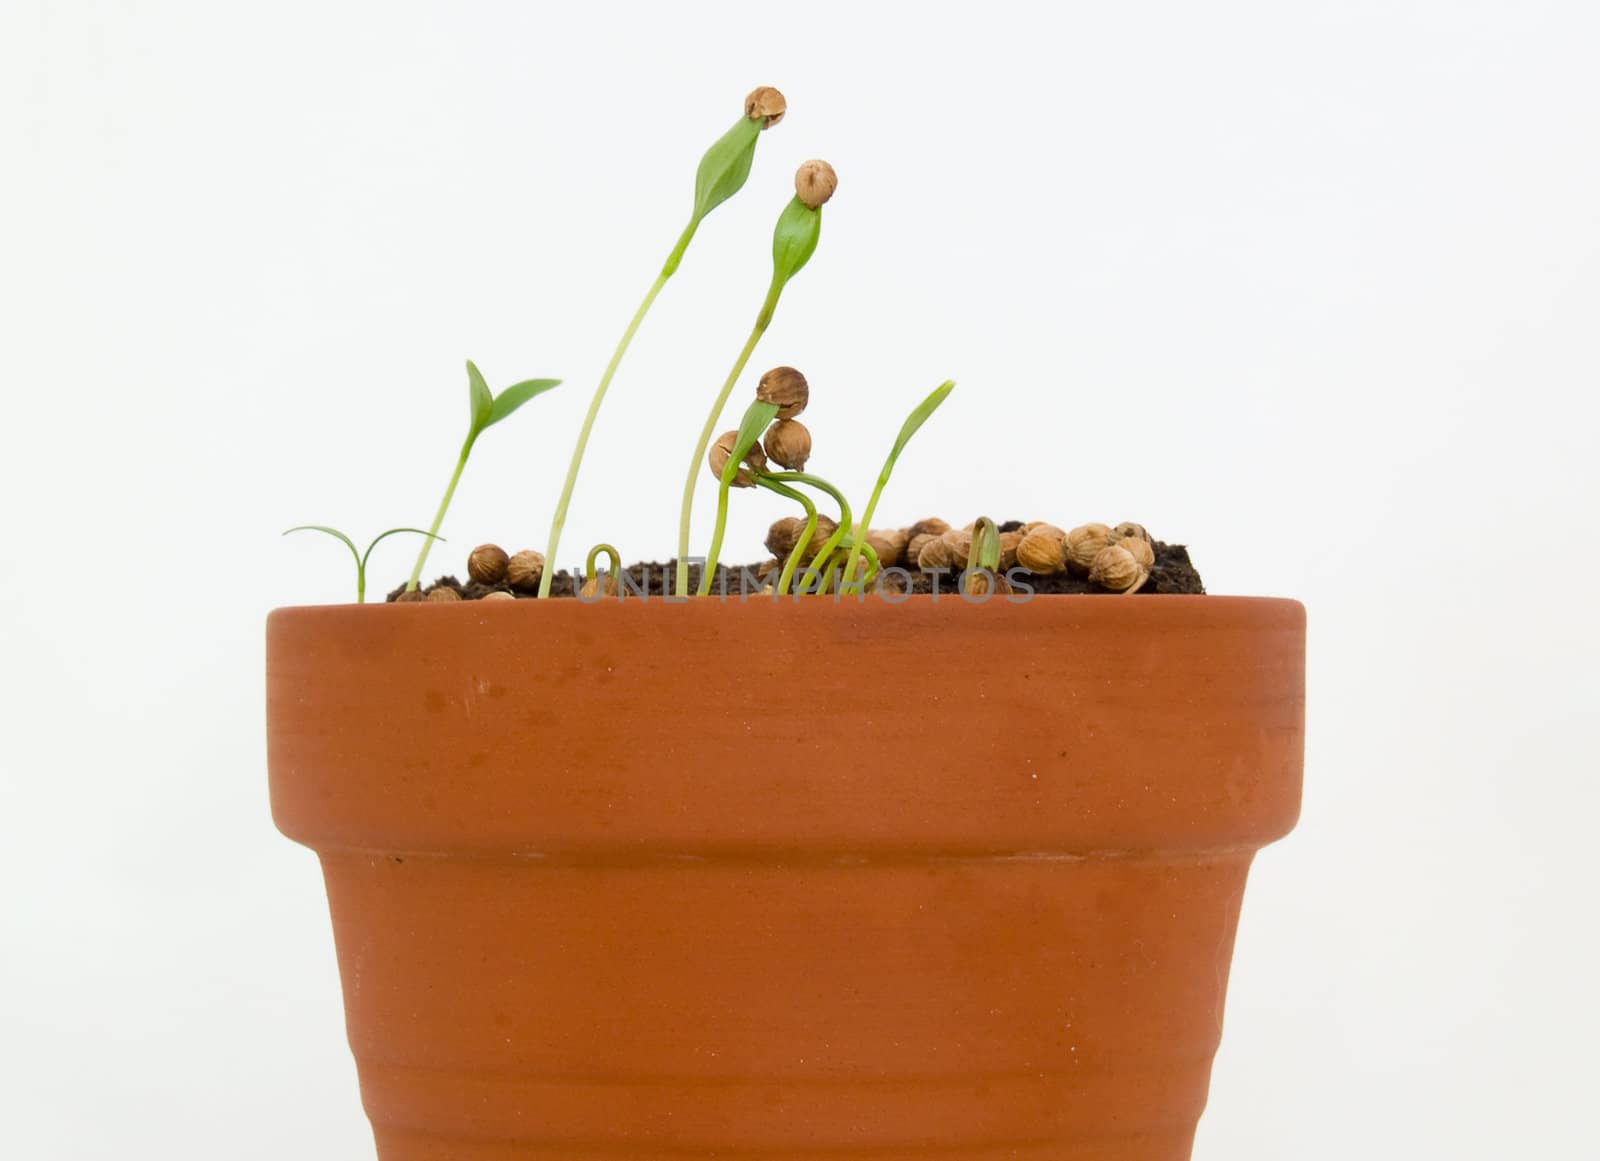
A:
[826,527]
[1115,568]
[717,459]
[960,542]
[487,564]
[769,569]
[782,535]
[409,596]
[524,570]
[765,104]
[1128,530]
[1084,544]
[1140,550]
[935,553]
[497,595]
[1009,543]
[981,581]
[1043,549]
[598,585]
[787,388]
[932,526]
[814,183]
[443,593]
[889,544]
[788,444]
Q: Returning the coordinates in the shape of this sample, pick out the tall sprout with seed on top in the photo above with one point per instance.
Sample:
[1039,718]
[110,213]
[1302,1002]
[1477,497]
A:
[722,173]
[794,240]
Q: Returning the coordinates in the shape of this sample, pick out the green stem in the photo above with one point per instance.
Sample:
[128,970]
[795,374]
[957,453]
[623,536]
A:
[822,485]
[710,566]
[559,521]
[803,539]
[438,517]
[686,512]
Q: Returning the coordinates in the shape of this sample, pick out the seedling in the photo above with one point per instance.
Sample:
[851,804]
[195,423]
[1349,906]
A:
[485,409]
[360,557]
[919,415]
[722,173]
[794,240]
[601,584]
[981,573]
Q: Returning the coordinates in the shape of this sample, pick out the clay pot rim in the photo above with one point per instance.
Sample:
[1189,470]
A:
[1114,605]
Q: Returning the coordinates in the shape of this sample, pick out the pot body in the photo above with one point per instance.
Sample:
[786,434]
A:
[786,881]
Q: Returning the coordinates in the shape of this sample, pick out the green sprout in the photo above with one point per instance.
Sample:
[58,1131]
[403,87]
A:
[360,557]
[722,173]
[756,418]
[592,584]
[981,569]
[485,410]
[823,554]
[913,423]
[794,240]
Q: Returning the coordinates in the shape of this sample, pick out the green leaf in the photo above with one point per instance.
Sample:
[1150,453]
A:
[479,398]
[756,418]
[915,420]
[516,395]
[333,532]
[794,240]
[391,532]
[725,167]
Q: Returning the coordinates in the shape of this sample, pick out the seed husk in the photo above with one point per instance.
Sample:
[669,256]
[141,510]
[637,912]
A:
[1009,543]
[782,535]
[788,443]
[717,460]
[524,570]
[497,595]
[598,585]
[1128,530]
[787,388]
[1043,549]
[814,183]
[1084,544]
[409,596]
[1141,550]
[935,553]
[1115,568]
[932,526]
[487,564]
[442,594]
[765,104]
[890,545]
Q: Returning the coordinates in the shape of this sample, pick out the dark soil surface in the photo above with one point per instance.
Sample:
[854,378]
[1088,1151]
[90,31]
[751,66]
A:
[1173,573]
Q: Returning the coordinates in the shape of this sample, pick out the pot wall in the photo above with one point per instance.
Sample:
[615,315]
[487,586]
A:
[786,881]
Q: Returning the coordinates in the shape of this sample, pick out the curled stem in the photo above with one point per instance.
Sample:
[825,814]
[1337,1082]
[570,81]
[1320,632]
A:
[803,539]
[611,554]
[821,485]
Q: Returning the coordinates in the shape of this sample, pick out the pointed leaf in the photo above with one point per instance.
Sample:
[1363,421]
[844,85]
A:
[479,398]
[916,419]
[516,395]
[756,418]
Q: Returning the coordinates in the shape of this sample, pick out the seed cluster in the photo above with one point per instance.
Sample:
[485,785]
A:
[1117,559]
[787,441]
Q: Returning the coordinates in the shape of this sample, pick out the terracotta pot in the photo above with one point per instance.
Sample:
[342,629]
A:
[816,880]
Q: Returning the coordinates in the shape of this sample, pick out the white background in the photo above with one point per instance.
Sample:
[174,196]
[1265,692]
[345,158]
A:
[1310,287]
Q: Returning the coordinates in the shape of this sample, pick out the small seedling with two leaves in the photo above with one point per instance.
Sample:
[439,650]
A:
[360,557]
